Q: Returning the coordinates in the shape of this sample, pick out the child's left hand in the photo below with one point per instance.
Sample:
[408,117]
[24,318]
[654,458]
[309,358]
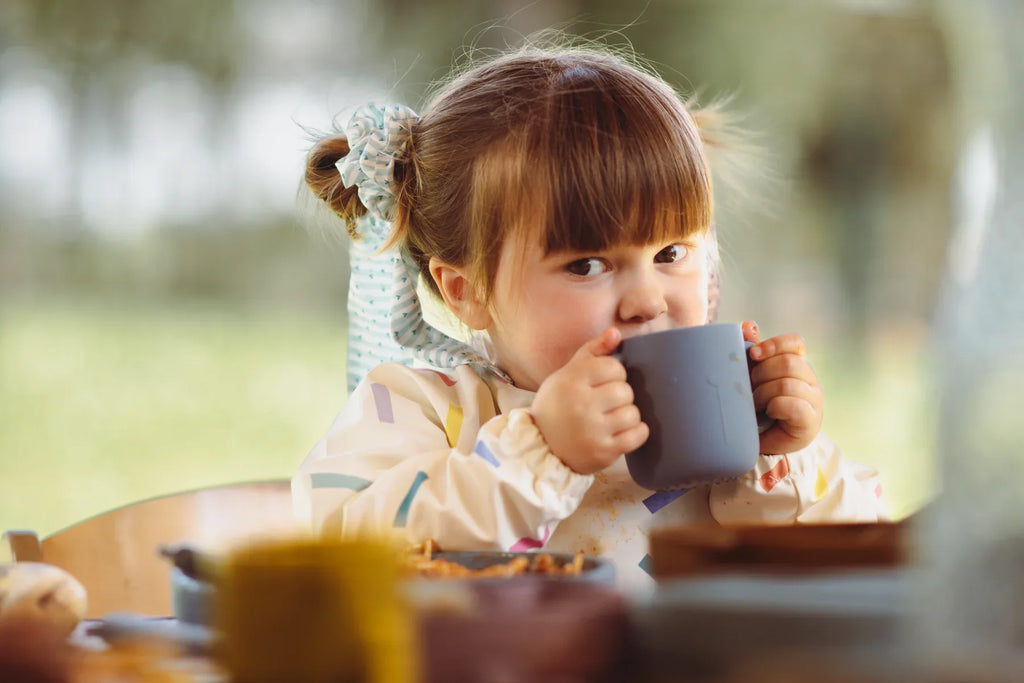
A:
[786,389]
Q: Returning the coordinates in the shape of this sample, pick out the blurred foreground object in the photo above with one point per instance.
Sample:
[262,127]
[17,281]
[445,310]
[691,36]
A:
[838,593]
[690,550]
[34,651]
[115,554]
[314,611]
[973,544]
[41,592]
[525,629]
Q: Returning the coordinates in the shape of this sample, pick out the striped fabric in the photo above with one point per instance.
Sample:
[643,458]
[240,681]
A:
[386,281]
[370,341]
[427,343]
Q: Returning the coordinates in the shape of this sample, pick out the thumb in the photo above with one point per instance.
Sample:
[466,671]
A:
[601,345]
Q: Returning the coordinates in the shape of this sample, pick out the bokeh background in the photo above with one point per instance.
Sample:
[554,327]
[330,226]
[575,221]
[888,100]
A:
[169,320]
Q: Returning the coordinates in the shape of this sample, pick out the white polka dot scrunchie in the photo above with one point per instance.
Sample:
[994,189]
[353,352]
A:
[377,134]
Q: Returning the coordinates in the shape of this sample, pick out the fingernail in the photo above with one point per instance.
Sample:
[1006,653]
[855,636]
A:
[755,352]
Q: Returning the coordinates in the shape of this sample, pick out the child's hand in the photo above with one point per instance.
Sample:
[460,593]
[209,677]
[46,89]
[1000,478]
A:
[585,409]
[786,389]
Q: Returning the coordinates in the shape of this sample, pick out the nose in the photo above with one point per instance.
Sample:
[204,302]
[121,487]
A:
[642,299]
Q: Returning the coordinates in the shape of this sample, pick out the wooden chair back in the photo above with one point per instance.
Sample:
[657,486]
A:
[114,555]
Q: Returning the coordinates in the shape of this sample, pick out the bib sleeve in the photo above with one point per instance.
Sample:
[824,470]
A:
[420,454]
[813,485]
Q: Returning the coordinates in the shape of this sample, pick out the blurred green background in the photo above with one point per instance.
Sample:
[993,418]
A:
[169,320]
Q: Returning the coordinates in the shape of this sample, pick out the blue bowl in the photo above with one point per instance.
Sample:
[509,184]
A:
[190,599]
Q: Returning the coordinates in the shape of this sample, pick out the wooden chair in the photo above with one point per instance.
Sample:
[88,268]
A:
[114,555]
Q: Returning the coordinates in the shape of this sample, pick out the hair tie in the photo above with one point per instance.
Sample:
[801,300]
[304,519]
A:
[377,135]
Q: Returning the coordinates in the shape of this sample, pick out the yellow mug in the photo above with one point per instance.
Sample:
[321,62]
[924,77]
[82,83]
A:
[314,610]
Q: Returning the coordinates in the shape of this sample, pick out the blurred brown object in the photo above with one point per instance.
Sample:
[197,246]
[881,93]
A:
[41,591]
[808,668]
[143,660]
[527,629]
[115,554]
[691,550]
[34,650]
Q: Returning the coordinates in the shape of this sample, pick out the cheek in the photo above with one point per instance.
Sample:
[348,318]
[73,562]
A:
[564,318]
[689,305]
[560,325]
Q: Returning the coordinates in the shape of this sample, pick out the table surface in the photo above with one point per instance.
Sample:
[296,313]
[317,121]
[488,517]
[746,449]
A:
[674,630]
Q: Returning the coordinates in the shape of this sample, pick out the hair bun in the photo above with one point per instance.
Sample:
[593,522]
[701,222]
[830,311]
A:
[324,179]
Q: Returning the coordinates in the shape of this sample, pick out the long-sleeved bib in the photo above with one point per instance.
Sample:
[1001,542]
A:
[456,457]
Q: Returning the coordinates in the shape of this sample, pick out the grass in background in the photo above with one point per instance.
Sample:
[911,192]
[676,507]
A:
[105,402]
[881,409]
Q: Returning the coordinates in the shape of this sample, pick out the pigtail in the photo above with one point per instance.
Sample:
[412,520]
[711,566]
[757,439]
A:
[324,179]
[715,123]
[738,159]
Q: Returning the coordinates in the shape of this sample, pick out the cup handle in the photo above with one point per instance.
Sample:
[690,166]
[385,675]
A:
[764,423]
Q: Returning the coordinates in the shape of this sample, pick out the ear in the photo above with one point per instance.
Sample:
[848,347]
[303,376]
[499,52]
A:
[459,295]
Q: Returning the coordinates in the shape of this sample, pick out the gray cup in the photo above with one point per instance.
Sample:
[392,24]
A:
[692,386]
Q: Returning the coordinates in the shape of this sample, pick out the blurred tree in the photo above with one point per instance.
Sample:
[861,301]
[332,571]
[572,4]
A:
[101,48]
[884,162]
[424,43]
[973,542]
[851,102]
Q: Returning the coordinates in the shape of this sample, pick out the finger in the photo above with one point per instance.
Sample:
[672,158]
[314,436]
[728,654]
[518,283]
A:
[750,331]
[784,343]
[794,416]
[603,370]
[795,428]
[777,441]
[785,387]
[611,396]
[601,345]
[621,418]
[785,365]
[631,439]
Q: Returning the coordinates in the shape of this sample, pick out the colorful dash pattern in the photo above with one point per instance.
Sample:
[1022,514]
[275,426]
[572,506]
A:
[403,508]
[334,480]
[484,452]
[382,401]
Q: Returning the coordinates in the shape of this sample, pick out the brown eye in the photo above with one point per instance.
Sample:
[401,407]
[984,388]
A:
[671,254]
[586,267]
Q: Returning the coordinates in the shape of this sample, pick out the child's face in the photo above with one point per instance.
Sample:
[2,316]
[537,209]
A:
[545,307]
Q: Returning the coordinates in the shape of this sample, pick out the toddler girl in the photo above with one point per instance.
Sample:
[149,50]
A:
[556,201]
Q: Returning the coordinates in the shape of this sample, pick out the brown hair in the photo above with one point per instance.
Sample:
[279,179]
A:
[585,146]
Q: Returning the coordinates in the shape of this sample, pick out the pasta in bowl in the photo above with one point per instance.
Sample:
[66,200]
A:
[427,560]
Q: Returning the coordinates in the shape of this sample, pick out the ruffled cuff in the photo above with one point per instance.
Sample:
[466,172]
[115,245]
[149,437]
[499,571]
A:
[813,485]
[764,495]
[530,467]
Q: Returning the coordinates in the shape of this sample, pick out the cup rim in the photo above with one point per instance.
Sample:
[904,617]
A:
[676,330]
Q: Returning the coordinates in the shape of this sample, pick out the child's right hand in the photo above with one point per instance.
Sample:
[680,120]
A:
[585,409]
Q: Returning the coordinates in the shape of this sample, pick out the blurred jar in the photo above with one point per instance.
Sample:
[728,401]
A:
[972,537]
[314,611]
